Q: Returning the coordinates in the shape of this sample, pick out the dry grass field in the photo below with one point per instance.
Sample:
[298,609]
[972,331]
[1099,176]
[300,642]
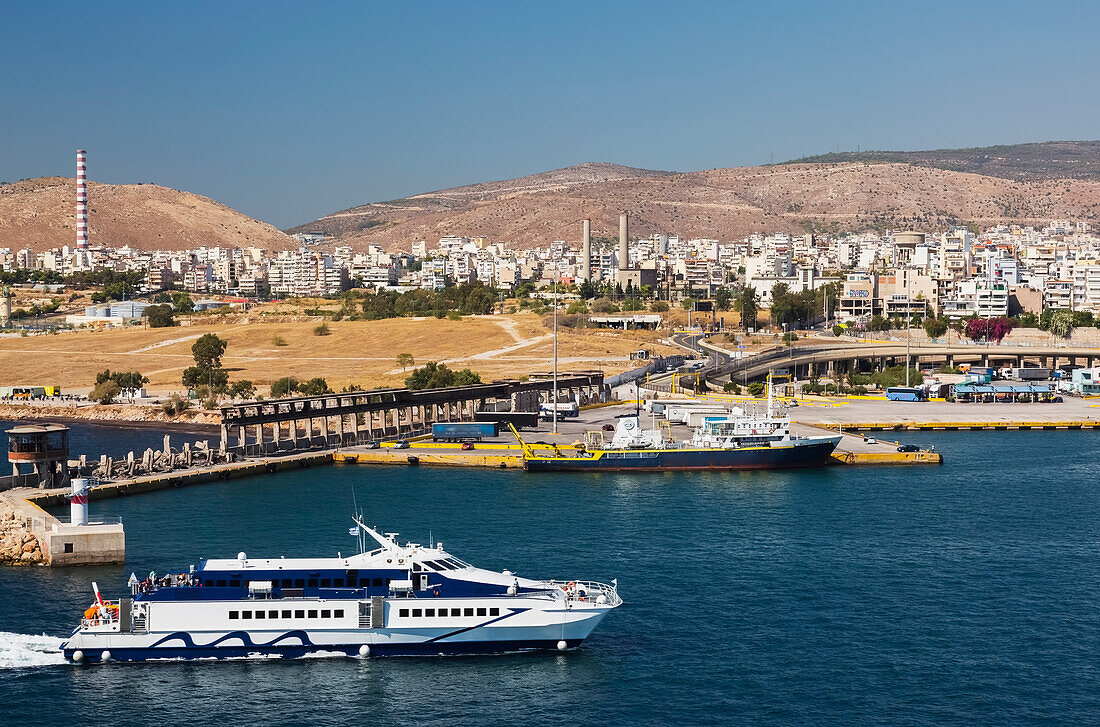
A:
[263,348]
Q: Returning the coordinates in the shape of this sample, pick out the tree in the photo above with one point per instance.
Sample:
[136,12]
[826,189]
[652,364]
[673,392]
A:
[722,297]
[989,329]
[208,351]
[658,306]
[756,388]
[405,360]
[284,387]
[466,377]
[1061,323]
[1027,319]
[242,389]
[434,375]
[182,302]
[878,323]
[315,387]
[160,316]
[105,392]
[207,371]
[935,327]
[783,307]
[577,307]
[322,330]
[746,303]
[127,381]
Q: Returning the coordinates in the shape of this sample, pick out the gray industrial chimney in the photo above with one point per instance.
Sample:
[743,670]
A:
[624,236]
[585,272]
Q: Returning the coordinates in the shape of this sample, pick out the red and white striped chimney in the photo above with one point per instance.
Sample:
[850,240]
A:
[81,199]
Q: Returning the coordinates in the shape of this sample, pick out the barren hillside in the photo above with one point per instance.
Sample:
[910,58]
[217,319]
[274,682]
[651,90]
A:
[40,214]
[1024,162]
[721,203]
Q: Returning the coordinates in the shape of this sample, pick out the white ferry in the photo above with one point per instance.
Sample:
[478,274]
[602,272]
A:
[394,600]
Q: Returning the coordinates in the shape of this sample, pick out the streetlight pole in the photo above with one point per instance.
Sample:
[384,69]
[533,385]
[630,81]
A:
[908,326]
[555,402]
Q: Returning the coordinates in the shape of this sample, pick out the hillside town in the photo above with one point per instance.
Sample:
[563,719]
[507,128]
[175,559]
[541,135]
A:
[954,274]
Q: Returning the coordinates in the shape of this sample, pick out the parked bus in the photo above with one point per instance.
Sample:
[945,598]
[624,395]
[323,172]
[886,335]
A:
[902,393]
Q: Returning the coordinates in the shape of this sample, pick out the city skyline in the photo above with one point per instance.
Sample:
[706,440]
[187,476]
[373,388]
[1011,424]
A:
[287,116]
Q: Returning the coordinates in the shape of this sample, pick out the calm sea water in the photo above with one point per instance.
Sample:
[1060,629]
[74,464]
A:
[962,594]
[94,439]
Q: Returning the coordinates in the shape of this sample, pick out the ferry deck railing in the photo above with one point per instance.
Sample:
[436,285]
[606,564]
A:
[589,591]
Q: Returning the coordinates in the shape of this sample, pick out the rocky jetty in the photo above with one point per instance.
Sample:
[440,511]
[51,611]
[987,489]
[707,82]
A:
[18,546]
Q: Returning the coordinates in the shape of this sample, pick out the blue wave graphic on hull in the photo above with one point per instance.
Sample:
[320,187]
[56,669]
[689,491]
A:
[244,636]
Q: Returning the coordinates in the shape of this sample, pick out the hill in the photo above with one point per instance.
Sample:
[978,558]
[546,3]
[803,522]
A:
[40,214]
[1023,162]
[720,203]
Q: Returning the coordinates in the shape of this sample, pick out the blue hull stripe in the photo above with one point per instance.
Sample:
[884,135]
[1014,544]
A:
[244,636]
[290,652]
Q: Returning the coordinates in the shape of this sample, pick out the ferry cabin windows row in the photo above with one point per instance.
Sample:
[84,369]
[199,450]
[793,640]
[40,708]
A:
[308,582]
[286,613]
[443,612]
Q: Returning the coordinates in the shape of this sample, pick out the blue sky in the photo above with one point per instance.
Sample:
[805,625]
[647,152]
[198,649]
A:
[287,111]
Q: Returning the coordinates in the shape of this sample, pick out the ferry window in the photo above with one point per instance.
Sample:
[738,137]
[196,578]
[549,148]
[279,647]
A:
[468,612]
[403,613]
[286,614]
[456,611]
[376,582]
[273,614]
[364,582]
[494,611]
[481,612]
[326,613]
[233,615]
[312,582]
[416,613]
[300,583]
[221,584]
[299,614]
[259,614]
[417,567]
[286,582]
[338,613]
[430,612]
[246,614]
[326,582]
[208,583]
[234,584]
[312,613]
[338,582]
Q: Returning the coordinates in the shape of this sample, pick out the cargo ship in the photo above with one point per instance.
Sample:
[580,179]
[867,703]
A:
[733,442]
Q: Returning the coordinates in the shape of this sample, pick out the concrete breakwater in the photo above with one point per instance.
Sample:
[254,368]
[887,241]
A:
[18,545]
[181,478]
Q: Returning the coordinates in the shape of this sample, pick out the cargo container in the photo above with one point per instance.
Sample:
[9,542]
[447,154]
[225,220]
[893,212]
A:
[565,409]
[1031,374]
[518,419]
[464,431]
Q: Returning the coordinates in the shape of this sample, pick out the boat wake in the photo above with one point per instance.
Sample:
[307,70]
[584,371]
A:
[21,651]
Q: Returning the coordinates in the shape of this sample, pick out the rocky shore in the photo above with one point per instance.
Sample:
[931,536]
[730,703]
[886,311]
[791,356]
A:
[18,546]
[111,413]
